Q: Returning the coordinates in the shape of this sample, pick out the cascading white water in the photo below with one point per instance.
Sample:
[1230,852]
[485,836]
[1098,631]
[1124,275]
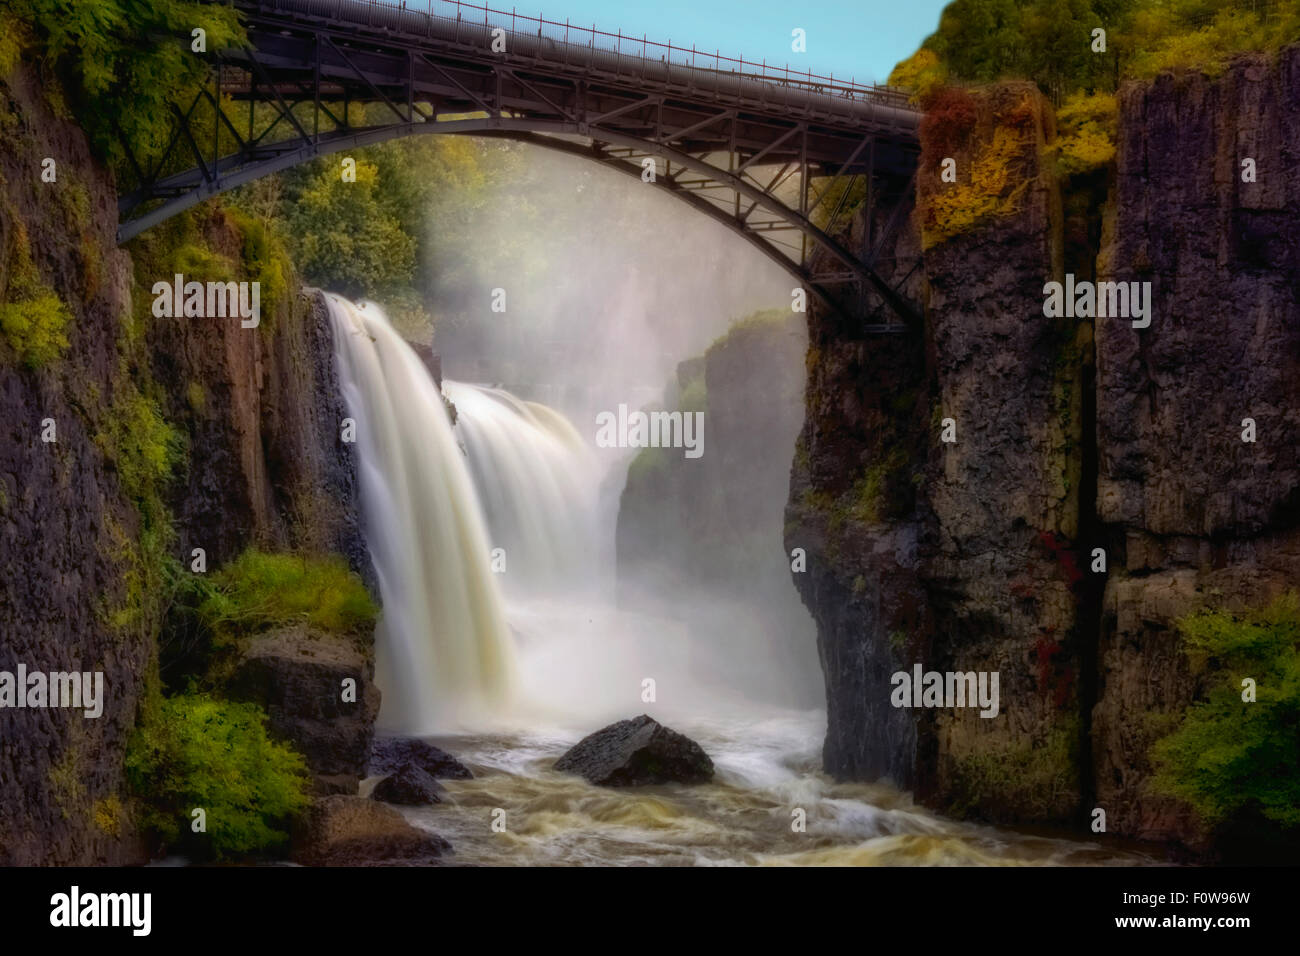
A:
[538,482]
[444,655]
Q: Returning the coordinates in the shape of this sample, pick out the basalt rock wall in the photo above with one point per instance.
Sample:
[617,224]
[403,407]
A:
[1094,486]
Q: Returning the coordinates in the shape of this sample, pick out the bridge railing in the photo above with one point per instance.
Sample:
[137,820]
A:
[630,49]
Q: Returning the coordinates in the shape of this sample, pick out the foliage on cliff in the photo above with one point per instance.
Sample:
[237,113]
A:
[1231,757]
[406,231]
[193,752]
[1086,128]
[257,591]
[32,316]
[1051,41]
[992,158]
[116,80]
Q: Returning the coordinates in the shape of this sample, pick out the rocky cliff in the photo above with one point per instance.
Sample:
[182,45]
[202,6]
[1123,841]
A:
[1095,487]
[716,520]
[708,530]
[131,441]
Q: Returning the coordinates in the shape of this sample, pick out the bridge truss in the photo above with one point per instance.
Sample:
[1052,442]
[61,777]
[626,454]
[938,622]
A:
[740,143]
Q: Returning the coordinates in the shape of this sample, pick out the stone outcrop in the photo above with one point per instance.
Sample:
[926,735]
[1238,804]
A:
[1071,435]
[354,831]
[715,521]
[634,753]
[410,786]
[390,754]
[64,515]
[298,674]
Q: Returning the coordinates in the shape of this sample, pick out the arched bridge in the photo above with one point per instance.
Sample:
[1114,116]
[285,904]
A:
[742,143]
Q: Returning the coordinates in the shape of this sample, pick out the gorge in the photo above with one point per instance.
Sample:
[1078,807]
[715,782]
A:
[292,546]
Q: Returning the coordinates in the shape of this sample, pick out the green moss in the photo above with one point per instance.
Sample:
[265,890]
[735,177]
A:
[196,396]
[258,591]
[145,451]
[142,447]
[34,328]
[192,751]
[67,777]
[868,497]
[13,37]
[33,318]
[648,464]
[1037,779]
[1230,758]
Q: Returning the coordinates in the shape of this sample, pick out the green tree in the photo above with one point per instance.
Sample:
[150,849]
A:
[344,237]
[123,62]
[1229,757]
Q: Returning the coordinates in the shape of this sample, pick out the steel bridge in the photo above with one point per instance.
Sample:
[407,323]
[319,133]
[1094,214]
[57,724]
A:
[742,143]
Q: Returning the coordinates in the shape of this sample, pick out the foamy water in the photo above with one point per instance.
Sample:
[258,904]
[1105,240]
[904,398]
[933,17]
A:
[766,768]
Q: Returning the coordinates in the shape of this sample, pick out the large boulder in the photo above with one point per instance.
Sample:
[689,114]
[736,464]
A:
[635,752]
[344,830]
[388,755]
[411,786]
[297,674]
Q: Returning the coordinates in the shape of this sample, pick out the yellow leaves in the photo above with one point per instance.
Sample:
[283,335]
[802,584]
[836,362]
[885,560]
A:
[1209,47]
[1086,130]
[920,73]
[992,191]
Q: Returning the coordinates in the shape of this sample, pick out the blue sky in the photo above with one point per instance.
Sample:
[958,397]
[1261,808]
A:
[851,38]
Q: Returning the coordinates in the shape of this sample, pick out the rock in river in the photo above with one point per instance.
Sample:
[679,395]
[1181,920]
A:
[390,754]
[411,786]
[635,752]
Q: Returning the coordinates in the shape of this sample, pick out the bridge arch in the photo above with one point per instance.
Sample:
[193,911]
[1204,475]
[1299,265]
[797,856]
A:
[709,130]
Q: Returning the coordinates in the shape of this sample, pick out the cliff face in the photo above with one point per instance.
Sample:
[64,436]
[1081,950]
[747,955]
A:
[1196,511]
[716,520]
[245,421]
[62,509]
[978,554]
[708,530]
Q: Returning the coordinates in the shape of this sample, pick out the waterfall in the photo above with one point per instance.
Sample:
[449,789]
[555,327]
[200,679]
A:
[443,651]
[539,483]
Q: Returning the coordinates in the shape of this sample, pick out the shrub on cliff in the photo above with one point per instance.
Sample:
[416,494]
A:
[992,175]
[32,316]
[1051,41]
[1231,758]
[258,591]
[117,77]
[193,752]
[1086,130]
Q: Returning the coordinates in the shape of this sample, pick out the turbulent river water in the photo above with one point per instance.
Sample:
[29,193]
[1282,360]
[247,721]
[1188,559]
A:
[499,641]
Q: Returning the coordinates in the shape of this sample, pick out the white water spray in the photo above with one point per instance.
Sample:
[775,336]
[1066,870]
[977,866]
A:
[444,655]
[539,484]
